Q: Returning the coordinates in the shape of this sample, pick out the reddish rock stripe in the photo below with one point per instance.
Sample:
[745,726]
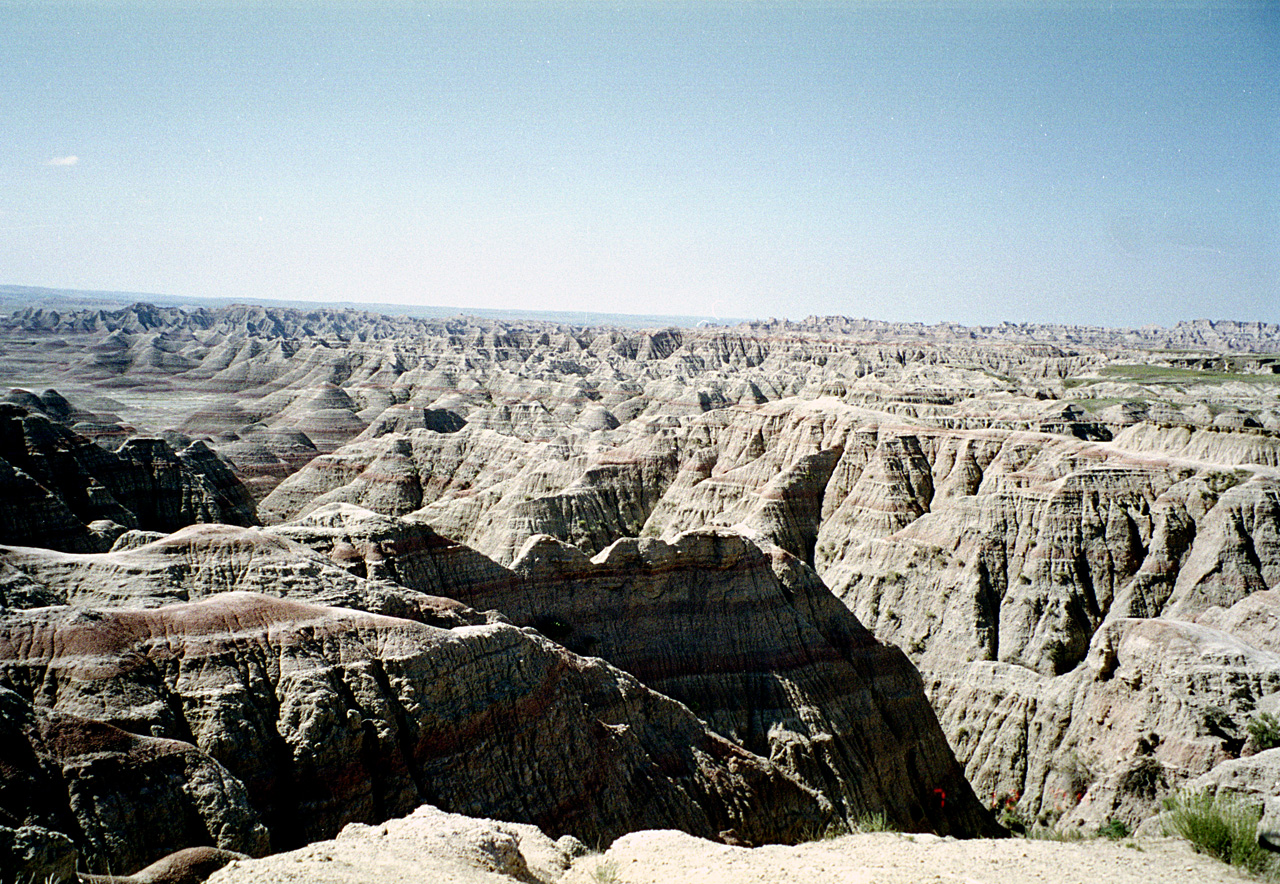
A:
[329,716]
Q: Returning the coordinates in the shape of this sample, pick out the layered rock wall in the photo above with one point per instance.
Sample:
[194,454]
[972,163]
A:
[326,716]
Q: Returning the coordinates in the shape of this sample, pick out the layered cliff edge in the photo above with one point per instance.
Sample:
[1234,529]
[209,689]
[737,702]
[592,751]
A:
[748,705]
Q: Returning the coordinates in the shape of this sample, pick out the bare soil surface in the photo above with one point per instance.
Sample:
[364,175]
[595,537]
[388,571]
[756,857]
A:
[891,858]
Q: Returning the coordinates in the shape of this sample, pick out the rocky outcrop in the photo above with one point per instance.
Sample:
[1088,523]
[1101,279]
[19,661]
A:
[168,490]
[1236,552]
[788,512]
[329,716]
[327,415]
[118,800]
[426,845]
[60,482]
[1254,778]
[401,418]
[758,647]
[752,642]
[1211,446]
[34,853]
[406,553]
[1104,741]
[718,344]
[205,560]
[191,865]
[961,546]
[583,499]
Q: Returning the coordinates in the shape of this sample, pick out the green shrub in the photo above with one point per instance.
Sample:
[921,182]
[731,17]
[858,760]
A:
[826,832]
[1049,833]
[605,872]
[873,822]
[1113,829]
[1265,730]
[1222,827]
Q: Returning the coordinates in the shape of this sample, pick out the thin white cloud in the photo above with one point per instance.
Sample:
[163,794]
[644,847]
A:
[62,161]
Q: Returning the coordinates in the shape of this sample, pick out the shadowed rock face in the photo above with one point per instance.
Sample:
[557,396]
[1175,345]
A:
[759,648]
[32,514]
[125,800]
[329,716]
[59,482]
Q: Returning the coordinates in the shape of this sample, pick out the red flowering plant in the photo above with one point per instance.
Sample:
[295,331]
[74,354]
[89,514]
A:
[1005,806]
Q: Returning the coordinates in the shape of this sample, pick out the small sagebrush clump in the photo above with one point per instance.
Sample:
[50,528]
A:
[1114,830]
[1220,826]
[1265,731]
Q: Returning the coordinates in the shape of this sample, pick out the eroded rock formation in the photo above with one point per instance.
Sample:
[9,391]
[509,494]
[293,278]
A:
[1075,537]
[60,484]
[324,716]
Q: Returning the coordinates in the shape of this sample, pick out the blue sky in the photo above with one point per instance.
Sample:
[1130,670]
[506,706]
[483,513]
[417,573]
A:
[1102,163]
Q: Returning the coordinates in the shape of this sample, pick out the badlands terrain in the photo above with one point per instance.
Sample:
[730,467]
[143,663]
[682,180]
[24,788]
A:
[323,586]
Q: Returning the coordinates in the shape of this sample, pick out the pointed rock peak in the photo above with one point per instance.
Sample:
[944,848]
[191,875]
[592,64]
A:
[330,395]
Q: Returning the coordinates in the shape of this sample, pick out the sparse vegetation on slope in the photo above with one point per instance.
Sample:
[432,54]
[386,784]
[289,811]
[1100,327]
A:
[1222,827]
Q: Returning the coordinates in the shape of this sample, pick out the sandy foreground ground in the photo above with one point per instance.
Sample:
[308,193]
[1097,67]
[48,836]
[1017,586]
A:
[889,858]
[467,853]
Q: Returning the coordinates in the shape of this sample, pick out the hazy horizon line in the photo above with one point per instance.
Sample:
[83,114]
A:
[11,291]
